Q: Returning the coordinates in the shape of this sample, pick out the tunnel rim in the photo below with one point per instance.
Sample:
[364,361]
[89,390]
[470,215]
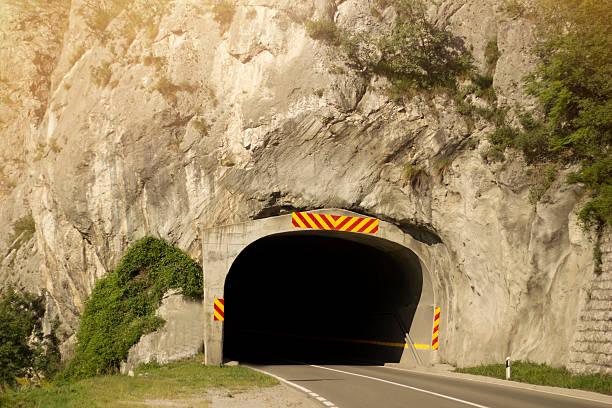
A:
[220,243]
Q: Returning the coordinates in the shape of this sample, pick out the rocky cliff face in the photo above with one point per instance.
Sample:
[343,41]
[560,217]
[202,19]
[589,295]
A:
[191,120]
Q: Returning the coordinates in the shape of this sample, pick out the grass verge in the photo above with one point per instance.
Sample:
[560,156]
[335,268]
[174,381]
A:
[542,374]
[182,382]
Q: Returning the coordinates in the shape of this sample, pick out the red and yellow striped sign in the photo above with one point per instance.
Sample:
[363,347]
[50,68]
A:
[334,222]
[219,310]
[436,329]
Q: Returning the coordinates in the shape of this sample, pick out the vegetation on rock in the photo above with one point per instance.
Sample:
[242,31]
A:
[573,84]
[24,350]
[122,305]
[23,230]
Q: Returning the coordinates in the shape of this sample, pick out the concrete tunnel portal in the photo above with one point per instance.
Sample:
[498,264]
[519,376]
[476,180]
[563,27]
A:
[315,296]
[320,297]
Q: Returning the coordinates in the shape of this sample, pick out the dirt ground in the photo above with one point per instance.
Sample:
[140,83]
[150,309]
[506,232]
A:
[279,396]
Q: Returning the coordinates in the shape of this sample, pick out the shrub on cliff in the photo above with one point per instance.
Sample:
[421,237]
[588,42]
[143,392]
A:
[122,305]
[419,54]
[573,83]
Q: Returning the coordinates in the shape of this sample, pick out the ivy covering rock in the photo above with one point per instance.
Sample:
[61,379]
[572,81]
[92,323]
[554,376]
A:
[122,305]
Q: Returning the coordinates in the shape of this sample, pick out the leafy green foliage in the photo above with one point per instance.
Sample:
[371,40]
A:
[573,83]
[122,305]
[420,54]
[24,350]
[544,375]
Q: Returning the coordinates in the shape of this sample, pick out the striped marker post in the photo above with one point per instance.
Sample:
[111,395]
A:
[436,329]
[334,222]
[219,310]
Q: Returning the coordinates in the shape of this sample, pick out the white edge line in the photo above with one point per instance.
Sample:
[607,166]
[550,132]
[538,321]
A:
[404,386]
[299,387]
[512,384]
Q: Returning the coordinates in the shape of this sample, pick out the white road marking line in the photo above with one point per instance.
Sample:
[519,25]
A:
[520,386]
[404,386]
[299,387]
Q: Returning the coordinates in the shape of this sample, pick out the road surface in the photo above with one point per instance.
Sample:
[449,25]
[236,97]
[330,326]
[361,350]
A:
[376,386]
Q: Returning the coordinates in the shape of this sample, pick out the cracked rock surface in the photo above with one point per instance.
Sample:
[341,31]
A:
[258,120]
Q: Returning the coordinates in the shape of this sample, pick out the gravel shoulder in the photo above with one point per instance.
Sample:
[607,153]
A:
[278,396]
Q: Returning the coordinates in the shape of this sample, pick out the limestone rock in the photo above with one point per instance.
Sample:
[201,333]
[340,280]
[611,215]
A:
[198,126]
[181,337]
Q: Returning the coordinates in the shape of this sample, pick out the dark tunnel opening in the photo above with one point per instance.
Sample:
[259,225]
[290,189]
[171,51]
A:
[323,297]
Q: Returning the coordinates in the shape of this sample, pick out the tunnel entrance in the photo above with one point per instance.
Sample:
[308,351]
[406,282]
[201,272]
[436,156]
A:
[320,296]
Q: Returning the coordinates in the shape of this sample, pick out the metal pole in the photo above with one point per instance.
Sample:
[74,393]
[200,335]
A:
[507,368]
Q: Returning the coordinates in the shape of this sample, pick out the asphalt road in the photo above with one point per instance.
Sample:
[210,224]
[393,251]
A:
[375,386]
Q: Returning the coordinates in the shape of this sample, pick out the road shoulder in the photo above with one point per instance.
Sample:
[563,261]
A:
[444,370]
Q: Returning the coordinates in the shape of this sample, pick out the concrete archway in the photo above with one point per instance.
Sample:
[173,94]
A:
[376,289]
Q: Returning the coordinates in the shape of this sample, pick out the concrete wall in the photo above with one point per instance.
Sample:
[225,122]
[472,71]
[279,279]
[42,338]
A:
[221,246]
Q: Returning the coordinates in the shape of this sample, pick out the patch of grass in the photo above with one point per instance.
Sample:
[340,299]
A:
[513,8]
[441,165]
[544,375]
[491,55]
[324,30]
[102,74]
[319,92]
[223,11]
[122,305]
[414,175]
[54,146]
[24,225]
[184,383]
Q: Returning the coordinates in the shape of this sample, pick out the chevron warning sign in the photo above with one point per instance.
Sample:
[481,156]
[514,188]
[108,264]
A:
[436,329]
[219,310]
[335,222]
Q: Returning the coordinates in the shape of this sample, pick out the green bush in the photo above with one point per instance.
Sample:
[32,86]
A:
[24,350]
[573,83]
[324,30]
[420,54]
[122,305]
